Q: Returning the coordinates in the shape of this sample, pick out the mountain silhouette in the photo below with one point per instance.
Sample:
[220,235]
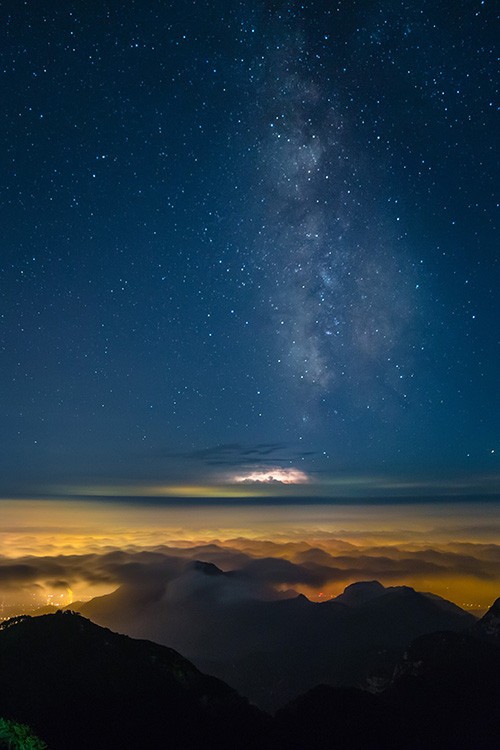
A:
[273,650]
[447,688]
[78,685]
[444,695]
[81,686]
[488,627]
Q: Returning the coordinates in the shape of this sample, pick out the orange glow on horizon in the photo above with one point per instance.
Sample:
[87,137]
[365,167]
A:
[448,550]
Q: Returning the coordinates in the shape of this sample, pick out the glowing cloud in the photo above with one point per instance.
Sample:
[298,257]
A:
[275,475]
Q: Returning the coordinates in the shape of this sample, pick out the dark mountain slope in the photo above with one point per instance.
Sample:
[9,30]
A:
[447,690]
[81,686]
[444,695]
[328,718]
[488,627]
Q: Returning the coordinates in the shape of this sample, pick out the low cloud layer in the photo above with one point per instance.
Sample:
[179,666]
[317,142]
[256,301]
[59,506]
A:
[55,552]
[252,568]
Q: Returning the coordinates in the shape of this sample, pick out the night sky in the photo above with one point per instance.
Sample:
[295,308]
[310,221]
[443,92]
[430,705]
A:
[248,242]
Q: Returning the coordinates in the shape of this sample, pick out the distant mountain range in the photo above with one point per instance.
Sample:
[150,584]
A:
[79,686]
[273,650]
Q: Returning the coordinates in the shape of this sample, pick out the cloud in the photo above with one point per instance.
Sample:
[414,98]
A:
[240,454]
[278,572]
[13,574]
[253,567]
[275,475]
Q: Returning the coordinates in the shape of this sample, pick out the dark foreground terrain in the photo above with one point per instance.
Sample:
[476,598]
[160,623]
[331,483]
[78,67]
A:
[78,685]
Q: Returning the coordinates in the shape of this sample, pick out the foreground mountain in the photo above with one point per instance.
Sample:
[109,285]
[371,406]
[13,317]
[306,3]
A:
[444,695]
[447,688]
[81,686]
[273,650]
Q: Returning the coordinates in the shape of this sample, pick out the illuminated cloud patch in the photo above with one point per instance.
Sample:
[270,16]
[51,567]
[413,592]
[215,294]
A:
[274,475]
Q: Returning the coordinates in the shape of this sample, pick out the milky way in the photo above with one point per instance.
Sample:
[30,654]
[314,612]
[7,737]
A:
[248,224]
[341,285]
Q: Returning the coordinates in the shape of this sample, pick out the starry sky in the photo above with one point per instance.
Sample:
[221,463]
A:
[248,247]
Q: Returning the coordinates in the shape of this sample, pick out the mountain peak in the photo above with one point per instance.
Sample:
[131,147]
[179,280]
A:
[494,610]
[210,569]
[489,625]
[361,592]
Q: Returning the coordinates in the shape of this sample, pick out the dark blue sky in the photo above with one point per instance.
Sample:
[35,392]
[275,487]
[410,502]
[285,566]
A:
[240,237]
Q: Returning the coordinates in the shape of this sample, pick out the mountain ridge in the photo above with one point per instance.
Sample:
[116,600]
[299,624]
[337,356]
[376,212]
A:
[273,650]
[66,660]
[79,685]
